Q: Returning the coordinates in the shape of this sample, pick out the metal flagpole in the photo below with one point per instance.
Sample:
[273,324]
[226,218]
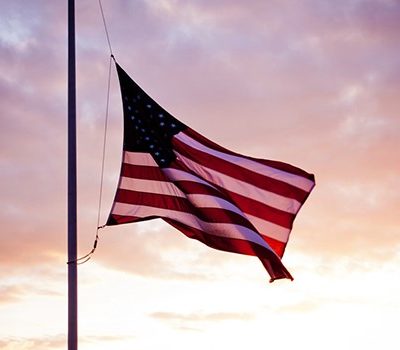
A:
[72,192]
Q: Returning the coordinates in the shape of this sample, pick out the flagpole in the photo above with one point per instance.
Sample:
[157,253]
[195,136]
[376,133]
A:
[72,192]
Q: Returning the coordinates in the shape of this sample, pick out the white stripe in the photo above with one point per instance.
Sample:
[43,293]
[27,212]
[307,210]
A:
[180,175]
[274,200]
[215,229]
[150,186]
[294,180]
[139,158]
[208,201]
[269,229]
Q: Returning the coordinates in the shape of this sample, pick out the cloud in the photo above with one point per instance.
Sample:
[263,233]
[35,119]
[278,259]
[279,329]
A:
[301,307]
[201,317]
[9,294]
[104,338]
[54,342]
[22,285]
[46,343]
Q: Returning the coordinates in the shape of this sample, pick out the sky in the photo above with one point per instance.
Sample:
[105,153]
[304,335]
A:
[312,83]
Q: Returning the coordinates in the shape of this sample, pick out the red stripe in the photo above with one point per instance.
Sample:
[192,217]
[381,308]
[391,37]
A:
[143,172]
[271,163]
[243,174]
[153,200]
[277,246]
[262,210]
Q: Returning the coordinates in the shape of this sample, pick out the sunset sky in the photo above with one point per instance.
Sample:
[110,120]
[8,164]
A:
[314,83]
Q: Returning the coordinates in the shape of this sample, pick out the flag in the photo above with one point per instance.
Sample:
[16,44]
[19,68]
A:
[228,201]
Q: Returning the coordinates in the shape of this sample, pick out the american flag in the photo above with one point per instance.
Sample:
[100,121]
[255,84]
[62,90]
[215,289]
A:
[226,200]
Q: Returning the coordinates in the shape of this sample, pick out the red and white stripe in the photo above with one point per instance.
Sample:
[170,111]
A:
[228,201]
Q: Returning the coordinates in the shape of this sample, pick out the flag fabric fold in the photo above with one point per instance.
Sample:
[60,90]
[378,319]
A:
[228,201]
